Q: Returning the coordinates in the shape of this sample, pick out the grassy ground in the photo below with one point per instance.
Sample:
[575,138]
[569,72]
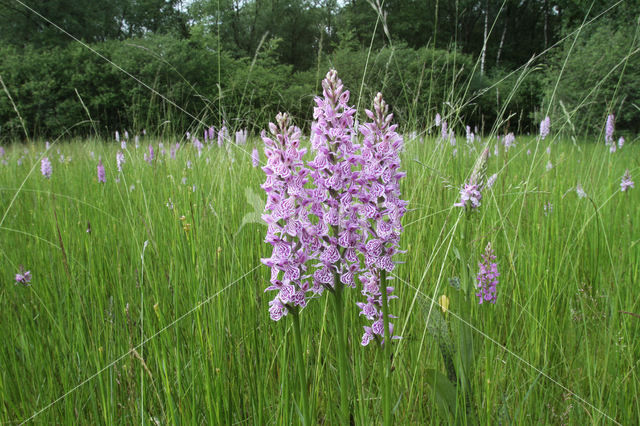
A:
[147,304]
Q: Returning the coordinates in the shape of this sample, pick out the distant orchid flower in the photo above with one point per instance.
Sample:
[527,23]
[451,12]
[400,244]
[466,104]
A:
[444,131]
[470,193]
[255,158]
[151,156]
[609,129]
[198,145]
[492,180]
[223,135]
[626,182]
[470,196]
[45,167]
[470,135]
[509,141]
[580,191]
[548,208]
[241,137]
[23,277]
[438,119]
[101,173]
[549,165]
[117,136]
[487,277]
[174,150]
[620,142]
[545,127]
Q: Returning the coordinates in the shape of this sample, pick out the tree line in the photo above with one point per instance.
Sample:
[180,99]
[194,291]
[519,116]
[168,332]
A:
[472,56]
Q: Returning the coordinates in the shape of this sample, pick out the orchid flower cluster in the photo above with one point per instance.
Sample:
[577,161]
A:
[608,132]
[471,191]
[336,218]
[487,277]
[102,178]
[545,127]
[626,182]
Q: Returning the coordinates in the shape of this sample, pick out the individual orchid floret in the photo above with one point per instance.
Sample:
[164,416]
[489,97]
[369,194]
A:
[487,277]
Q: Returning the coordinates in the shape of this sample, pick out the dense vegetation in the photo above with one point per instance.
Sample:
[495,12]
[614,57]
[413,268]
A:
[559,346]
[242,61]
[134,273]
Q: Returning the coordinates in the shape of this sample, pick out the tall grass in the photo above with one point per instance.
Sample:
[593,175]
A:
[111,331]
[147,306]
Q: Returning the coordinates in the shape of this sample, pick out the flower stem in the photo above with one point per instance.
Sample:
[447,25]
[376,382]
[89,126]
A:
[343,366]
[302,376]
[386,350]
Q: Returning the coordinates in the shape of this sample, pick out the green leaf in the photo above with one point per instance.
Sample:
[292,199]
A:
[444,391]
[255,216]
[254,200]
[251,217]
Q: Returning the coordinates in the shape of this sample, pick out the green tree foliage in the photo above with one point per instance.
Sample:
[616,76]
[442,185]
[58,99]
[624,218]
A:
[597,76]
[242,60]
[90,21]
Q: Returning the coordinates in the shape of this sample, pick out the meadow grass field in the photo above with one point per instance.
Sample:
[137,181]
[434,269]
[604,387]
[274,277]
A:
[147,305]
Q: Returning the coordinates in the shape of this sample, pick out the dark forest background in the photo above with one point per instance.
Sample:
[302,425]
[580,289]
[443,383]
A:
[498,65]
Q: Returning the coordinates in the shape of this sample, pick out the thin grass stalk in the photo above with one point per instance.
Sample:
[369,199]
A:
[341,337]
[386,350]
[302,375]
